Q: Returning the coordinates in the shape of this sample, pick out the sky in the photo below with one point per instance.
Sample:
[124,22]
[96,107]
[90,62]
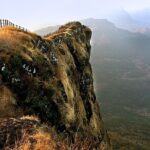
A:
[34,14]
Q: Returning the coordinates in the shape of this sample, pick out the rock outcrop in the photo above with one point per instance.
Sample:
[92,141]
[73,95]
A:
[51,78]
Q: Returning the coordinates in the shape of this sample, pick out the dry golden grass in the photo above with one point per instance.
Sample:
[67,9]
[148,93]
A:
[13,40]
[39,141]
[8,43]
[44,140]
[35,118]
[63,30]
[7,103]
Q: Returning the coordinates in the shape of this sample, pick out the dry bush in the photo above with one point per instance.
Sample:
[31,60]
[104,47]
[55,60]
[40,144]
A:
[47,141]
[39,141]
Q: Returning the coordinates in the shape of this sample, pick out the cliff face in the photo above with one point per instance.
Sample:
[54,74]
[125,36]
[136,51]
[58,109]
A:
[51,78]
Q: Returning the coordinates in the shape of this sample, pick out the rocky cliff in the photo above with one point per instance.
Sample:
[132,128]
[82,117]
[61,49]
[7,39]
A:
[49,77]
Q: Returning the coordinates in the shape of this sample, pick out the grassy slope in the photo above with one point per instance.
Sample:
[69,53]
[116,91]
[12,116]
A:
[17,48]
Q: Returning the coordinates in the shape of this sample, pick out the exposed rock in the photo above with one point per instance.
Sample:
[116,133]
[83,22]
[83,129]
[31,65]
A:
[51,77]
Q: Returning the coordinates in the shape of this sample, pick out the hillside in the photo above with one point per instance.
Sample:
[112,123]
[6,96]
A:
[47,95]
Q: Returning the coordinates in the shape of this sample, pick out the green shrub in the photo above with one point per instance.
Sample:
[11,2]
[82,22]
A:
[47,74]
[50,91]
[39,60]
[16,62]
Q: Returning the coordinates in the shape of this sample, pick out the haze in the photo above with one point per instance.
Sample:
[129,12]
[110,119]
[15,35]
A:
[35,14]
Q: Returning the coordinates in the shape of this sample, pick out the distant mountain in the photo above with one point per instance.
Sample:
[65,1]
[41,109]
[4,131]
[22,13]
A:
[133,21]
[137,21]
[142,16]
[123,19]
[47,30]
[108,40]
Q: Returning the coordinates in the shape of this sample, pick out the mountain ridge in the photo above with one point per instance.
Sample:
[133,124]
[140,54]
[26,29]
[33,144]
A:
[51,78]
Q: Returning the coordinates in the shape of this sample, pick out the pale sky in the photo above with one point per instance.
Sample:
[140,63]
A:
[34,14]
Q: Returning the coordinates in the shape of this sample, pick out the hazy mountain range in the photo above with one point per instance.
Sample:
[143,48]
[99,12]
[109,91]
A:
[47,30]
[136,21]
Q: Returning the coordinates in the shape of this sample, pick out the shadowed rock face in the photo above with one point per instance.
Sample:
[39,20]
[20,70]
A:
[51,77]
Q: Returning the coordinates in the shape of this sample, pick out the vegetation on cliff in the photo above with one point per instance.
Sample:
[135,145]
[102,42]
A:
[51,78]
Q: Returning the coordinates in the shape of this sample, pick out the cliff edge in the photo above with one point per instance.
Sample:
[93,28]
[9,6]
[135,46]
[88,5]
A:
[49,77]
